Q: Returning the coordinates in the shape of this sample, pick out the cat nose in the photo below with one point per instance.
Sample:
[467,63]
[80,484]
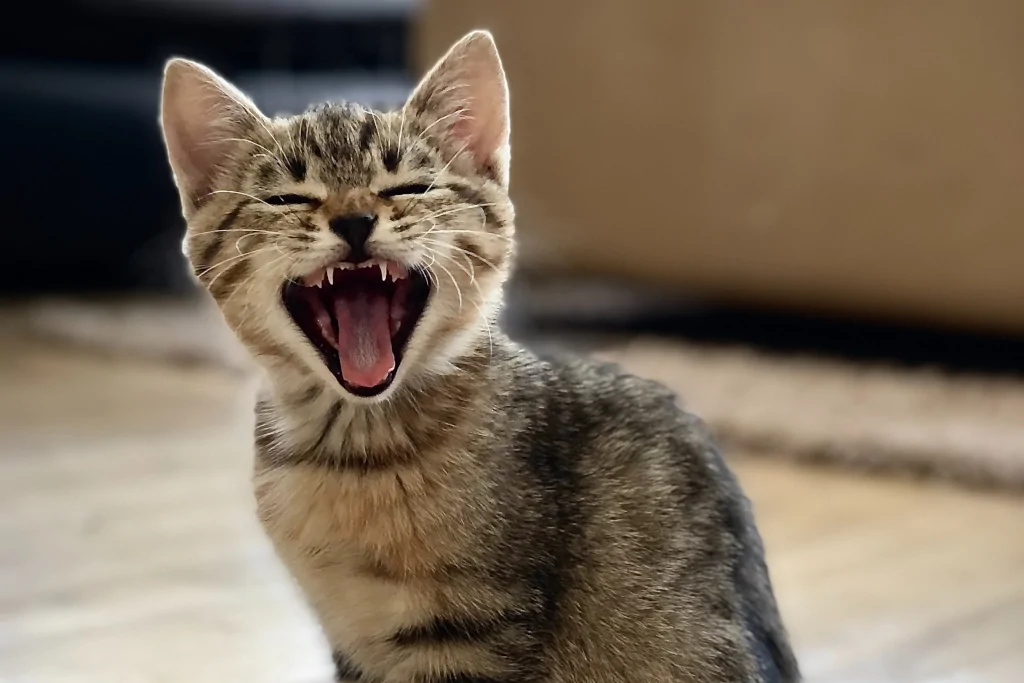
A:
[354,228]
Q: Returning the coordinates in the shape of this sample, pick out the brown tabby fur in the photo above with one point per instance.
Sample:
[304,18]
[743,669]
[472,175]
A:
[494,516]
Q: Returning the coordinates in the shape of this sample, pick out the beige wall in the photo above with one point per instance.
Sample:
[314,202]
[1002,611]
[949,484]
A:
[849,156]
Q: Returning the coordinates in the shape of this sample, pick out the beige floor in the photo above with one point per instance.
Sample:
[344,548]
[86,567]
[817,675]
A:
[129,553]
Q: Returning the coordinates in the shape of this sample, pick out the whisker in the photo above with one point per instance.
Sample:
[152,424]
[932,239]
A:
[482,233]
[444,168]
[256,272]
[487,320]
[469,273]
[480,293]
[431,276]
[233,258]
[451,88]
[290,210]
[251,279]
[457,209]
[220,263]
[237,241]
[458,290]
[487,326]
[251,142]
[252,231]
[243,194]
[259,119]
[437,176]
[438,120]
[401,130]
[465,251]
[376,122]
[230,259]
[267,156]
[249,304]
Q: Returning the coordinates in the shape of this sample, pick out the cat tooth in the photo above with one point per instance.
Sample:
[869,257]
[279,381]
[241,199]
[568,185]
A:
[330,274]
[383,270]
[398,271]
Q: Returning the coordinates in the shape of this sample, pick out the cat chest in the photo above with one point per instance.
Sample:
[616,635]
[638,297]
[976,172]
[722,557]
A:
[369,559]
[393,523]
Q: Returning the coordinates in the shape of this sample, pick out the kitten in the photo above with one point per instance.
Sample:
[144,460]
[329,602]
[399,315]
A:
[454,508]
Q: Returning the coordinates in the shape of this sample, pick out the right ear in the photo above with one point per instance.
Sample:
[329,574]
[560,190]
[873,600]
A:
[204,118]
[467,91]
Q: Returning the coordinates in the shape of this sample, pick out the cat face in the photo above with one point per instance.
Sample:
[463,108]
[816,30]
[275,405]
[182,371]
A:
[367,248]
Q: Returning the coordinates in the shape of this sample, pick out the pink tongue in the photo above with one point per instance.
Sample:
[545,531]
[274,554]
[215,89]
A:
[364,336]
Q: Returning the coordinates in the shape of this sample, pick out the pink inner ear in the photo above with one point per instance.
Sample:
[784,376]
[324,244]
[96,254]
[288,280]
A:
[202,113]
[470,78]
[198,152]
[482,127]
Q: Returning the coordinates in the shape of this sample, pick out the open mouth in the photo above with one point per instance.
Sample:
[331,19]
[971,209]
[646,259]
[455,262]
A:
[360,318]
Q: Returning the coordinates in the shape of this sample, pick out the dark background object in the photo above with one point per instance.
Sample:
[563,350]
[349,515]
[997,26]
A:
[89,205]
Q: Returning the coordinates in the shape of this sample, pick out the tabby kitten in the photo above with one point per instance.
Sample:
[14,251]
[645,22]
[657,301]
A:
[455,509]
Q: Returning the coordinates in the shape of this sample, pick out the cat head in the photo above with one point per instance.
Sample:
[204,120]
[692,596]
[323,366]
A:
[367,248]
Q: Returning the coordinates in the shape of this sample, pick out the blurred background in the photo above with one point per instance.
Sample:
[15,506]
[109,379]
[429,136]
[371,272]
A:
[803,216]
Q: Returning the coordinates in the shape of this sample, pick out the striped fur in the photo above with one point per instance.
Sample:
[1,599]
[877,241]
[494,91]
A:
[495,517]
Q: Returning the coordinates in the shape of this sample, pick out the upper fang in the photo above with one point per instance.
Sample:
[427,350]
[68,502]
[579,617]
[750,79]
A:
[388,270]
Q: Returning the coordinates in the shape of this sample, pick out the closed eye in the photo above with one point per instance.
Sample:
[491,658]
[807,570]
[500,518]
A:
[291,200]
[411,188]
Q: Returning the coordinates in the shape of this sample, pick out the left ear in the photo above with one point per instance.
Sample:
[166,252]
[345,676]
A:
[204,119]
[464,99]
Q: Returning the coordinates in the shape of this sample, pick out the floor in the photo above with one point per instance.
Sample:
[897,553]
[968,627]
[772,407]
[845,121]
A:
[129,551]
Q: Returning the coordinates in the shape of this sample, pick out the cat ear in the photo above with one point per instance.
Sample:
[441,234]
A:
[203,118]
[465,100]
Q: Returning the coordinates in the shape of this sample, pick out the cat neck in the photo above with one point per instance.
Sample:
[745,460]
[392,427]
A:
[319,424]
